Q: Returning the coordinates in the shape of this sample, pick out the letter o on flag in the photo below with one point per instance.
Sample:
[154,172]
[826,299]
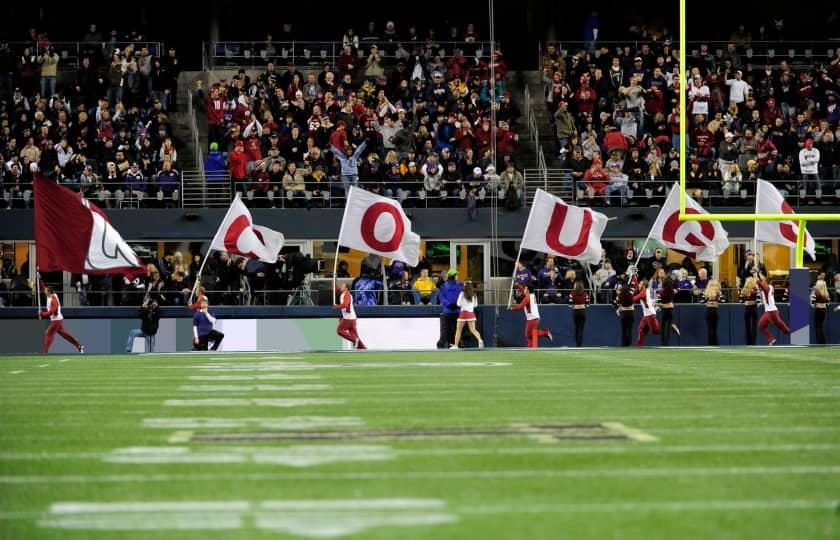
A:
[369,220]
[673,224]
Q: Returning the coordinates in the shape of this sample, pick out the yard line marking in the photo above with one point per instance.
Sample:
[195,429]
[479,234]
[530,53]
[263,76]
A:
[283,423]
[291,456]
[332,525]
[63,360]
[148,521]
[153,506]
[247,356]
[652,506]
[17,371]
[180,437]
[242,402]
[268,377]
[287,366]
[43,365]
[662,472]
[210,388]
[353,504]
[630,433]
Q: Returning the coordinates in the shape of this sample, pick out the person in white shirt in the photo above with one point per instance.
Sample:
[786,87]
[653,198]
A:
[739,90]
[809,161]
[56,326]
[699,96]
[467,301]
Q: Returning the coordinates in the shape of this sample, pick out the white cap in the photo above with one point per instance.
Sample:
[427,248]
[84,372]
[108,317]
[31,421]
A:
[33,167]
[477,170]
[490,168]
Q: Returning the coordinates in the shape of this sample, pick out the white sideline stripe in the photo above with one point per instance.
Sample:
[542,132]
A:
[286,366]
[670,472]
[237,402]
[352,504]
[43,365]
[17,372]
[284,423]
[209,388]
[251,356]
[292,456]
[63,360]
[651,506]
[269,377]
[144,522]
[150,506]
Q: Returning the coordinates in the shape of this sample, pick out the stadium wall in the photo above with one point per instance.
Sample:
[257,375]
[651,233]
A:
[105,330]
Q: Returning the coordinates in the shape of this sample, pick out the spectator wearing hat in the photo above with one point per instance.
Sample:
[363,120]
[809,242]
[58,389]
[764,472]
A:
[215,107]
[432,173]
[809,161]
[596,179]
[739,90]
[214,164]
[238,160]
[450,290]
[565,127]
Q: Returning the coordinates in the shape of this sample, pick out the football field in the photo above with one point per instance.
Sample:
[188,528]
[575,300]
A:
[490,444]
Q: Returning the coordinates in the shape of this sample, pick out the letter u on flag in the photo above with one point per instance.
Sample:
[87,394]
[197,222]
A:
[564,230]
[238,235]
[768,200]
[378,225]
[705,240]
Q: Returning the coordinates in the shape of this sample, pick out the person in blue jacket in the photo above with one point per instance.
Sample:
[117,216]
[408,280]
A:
[349,165]
[214,164]
[450,289]
[203,331]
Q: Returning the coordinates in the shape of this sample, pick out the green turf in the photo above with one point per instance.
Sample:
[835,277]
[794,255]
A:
[748,446]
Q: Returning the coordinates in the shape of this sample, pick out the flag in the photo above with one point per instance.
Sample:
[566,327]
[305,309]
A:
[239,236]
[705,240]
[768,200]
[73,235]
[564,230]
[378,225]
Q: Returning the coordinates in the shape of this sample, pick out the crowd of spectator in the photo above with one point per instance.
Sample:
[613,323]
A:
[615,113]
[418,131]
[757,115]
[104,131]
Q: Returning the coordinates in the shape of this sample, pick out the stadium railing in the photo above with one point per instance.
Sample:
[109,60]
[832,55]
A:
[251,54]
[72,52]
[802,53]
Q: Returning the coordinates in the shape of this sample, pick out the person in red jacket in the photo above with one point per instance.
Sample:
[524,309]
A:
[238,166]
[215,106]
[56,322]
[649,322]
[771,312]
[505,139]
[533,332]
[347,322]
[596,178]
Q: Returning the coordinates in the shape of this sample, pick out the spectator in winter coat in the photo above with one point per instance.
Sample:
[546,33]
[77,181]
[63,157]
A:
[214,164]
[238,165]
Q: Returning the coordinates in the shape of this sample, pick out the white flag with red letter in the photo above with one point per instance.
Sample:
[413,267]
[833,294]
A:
[705,240]
[768,200]
[564,230]
[238,235]
[378,225]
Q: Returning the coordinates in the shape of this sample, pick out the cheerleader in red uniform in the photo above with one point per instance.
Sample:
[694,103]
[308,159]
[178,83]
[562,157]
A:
[579,300]
[533,332]
[649,322]
[467,301]
[712,299]
[666,305]
[56,322]
[820,301]
[771,312]
[749,297]
[347,322]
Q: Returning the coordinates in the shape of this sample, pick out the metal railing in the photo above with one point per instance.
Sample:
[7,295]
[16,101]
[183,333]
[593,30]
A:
[555,181]
[569,48]
[197,191]
[251,54]
[194,133]
[72,52]
[807,52]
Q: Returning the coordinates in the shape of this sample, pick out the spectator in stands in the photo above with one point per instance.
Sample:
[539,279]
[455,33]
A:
[214,164]
[168,184]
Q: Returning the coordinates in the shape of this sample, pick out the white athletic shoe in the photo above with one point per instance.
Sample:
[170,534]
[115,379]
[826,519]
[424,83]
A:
[356,343]
[81,349]
[550,337]
[480,344]
[772,342]
[676,329]
[453,346]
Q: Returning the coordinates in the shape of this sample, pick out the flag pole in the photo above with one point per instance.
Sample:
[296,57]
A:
[513,277]
[210,250]
[335,272]
[38,289]
[755,225]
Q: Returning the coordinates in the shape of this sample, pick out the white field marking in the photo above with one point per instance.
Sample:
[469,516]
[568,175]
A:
[260,402]
[251,356]
[653,472]
[43,365]
[292,456]
[17,371]
[150,506]
[63,360]
[283,423]
[245,388]
[283,366]
[630,433]
[332,525]
[47,456]
[268,377]
[146,521]
[180,437]
[354,504]
[651,506]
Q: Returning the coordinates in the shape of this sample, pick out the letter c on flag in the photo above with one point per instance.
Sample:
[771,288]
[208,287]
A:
[369,226]
[555,227]
[785,227]
[672,225]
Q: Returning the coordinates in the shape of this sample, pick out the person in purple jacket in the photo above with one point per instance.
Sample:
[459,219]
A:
[203,331]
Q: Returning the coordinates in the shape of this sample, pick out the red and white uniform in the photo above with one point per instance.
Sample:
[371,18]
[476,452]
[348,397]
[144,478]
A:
[533,332]
[56,325]
[467,306]
[771,312]
[649,322]
[347,323]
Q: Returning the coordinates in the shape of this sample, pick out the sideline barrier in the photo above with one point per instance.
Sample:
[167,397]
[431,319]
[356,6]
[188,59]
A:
[105,330]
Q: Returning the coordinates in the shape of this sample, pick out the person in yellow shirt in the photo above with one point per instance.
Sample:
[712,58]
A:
[425,289]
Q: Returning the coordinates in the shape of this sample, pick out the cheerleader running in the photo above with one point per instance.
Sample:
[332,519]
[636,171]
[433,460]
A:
[649,322]
[771,312]
[712,299]
[749,297]
[579,300]
[533,332]
[624,301]
[347,322]
[467,301]
[820,300]
[666,305]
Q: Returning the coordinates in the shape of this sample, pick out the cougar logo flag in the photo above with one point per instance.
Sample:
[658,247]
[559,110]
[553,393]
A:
[73,235]
[564,230]
[768,200]
[238,235]
[378,225]
[705,240]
